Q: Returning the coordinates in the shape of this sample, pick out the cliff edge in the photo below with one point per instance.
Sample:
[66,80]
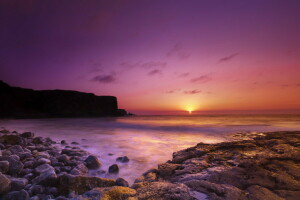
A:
[18,102]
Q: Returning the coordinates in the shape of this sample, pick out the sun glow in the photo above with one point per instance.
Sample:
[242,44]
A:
[190,111]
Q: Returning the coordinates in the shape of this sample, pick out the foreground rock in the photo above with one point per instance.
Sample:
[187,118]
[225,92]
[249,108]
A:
[33,168]
[265,167]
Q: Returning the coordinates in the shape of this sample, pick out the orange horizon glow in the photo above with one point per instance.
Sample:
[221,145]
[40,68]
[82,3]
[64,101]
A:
[238,56]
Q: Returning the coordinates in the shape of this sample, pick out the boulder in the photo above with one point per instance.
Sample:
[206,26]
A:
[81,184]
[36,189]
[92,162]
[123,159]
[122,182]
[47,175]
[80,169]
[162,191]
[4,166]
[4,184]
[27,135]
[63,158]
[38,140]
[114,169]
[42,161]
[28,164]
[13,140]
[18,183]
[15,165]
[17,195]
[15,149]
[116,192]
[257,192]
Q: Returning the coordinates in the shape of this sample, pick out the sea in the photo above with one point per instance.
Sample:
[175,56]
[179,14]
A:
[147,140]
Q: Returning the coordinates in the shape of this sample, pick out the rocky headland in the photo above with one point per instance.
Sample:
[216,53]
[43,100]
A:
[254,167]
[18,102]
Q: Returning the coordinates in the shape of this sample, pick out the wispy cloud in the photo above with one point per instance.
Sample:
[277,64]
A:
[201,79]
[228,58]
[104,78]
[154,72]
[290,85]
[178,50]
[196,91]
[183,75]
[145,65]
[170,92]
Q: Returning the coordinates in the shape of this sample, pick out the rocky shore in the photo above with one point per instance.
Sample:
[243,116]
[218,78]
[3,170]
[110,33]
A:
[260,166]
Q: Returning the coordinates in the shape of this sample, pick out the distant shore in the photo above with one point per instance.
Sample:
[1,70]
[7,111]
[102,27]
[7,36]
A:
[256,166]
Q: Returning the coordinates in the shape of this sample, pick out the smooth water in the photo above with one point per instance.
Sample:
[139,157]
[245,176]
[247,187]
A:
[148,140]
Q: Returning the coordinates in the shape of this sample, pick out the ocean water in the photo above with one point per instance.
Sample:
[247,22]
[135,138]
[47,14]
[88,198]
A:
[148,140]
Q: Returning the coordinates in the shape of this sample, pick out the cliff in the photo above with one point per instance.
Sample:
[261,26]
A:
[18,102]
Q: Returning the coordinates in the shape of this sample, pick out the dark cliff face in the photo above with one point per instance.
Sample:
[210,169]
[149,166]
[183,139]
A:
[26,103]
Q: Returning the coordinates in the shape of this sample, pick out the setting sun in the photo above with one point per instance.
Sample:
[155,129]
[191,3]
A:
[190,111]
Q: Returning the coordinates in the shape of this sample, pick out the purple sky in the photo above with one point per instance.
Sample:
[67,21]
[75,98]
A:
[157,55]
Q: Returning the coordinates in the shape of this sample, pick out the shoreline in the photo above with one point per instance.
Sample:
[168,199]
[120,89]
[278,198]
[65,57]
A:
[32,168]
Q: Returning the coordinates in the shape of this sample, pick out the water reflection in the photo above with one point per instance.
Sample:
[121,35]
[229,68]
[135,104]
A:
[147,141]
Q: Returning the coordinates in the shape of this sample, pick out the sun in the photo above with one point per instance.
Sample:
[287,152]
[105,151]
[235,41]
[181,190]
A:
[190,111]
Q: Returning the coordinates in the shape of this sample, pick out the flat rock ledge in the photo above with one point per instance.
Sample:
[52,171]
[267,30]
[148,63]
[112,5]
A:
[266,166]
[262,166]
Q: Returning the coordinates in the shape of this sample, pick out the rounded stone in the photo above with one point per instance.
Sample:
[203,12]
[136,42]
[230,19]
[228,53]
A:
[114,169]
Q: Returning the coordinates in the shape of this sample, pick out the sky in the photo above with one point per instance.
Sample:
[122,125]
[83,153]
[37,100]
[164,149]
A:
[158,56]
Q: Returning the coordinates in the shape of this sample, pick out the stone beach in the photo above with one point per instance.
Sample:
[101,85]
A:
[255,166]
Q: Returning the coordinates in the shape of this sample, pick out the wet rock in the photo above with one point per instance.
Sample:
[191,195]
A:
[167,169]
[29,176]
[15,165]
[123,159]
[4,166]
[80,169]
[15,149]
[25,171]
[116,192]
[4,131]
[13,140]
[81,184]
[28,164]
[42,161]
[52,191]
[63,158]
[61,198]
[74,152]
[6,152]
[27,135]
[257,193]
[25,155]
[148,177]
[76,143]
[38,140]
[114,169]
[17,195]
[162,191]
[63,142]
[122,182]
[4,184]
[47,175]
[92,162]
[42,154]
[217,191]
[35,198]
[36,189]
[18,183]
